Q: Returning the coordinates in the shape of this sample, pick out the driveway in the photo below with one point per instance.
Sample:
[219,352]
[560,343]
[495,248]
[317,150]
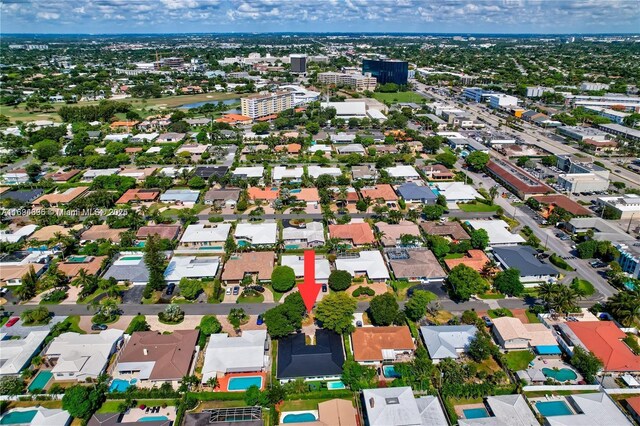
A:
[122,324]
[19,329]
[190,323]
[133,295]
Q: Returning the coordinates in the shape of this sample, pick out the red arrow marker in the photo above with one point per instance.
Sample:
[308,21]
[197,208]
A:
[309,289]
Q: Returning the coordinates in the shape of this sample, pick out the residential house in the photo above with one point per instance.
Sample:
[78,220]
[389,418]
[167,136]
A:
[154,358]
[180,197]
[238,266]
[287,173]
[138,174]
[296,262]
[447,341]
[474,259]
[374,345]
[245,353]
[139,195]
[321,361]
[398,406]
[82,356]
[525,259]
[506,410]
[16,353]
[307,235]
[59,198]
[22,233]
[308,195]
[417,264]
[129,268]
[256,234]
[369,263]
[21,196]
[72,265]
[364,172]
[317,171]
[248,172]
[391,234]
[381,193]
[191,267]
[170,137]
[498,231]
[413,193]
[101,232]
[403,173]
[38,416]
[437,172]
[512,333]
[355,233]
[209,235]
[165,232]
[222,198]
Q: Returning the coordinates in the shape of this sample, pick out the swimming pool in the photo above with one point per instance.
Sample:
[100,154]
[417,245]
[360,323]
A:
[243,243]
[299,417]
[153,418]
[217,248]
[291,246]
[41,380]
[475,413]
[76,259]
[18,417]
[337,385]
[244,383]
[389,371]
[561,375]
[553,408]
[120,385]
[131,258]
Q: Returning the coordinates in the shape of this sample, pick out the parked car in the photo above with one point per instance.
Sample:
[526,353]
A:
[236,290]
[3,291]
[260,320]
[12,321]
[258,288]
[324,288]
[170,289]
[358,323]
[228,292]
[98,327]
[487,321]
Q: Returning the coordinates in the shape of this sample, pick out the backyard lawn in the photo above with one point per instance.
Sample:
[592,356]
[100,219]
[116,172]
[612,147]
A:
[583,286]
[500,312]
[518,360]
[111,406]
[398,97]
[533,318]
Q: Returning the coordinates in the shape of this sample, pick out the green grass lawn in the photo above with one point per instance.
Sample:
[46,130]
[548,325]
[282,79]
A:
[276,294]
[404,97]
[583,286]
[259,298]
[75,324]
[491,296]
[454,256]
[533,318]
[302,404]
[518,360]
[496,313]
[560,262]
[111,406]
[477,207]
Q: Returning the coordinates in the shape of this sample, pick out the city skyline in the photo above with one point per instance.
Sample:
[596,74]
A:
[334,16]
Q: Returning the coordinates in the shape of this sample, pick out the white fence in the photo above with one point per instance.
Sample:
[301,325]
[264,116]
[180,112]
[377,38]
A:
[31,397]
[551,388]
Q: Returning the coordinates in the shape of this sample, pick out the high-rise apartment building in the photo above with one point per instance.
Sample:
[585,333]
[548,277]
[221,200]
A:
[387,71]
[298,63]
[263,104]
[356,81]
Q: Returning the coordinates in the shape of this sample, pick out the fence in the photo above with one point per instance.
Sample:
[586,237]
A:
[542,388]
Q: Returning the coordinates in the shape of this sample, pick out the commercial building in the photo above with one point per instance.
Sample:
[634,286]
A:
[156,358]
[82,356]
[613,115]
[581,133]
[625,206]
[475,93]
[245,353]
[561,201]
[609,100]
[374,345]
[604,230]
[398,406]
[500,100]
[629,259]
[358,82]
[576,183]
[619,130]
[262,105]
[536,92]
[298,63]
[517,180]
[387,71]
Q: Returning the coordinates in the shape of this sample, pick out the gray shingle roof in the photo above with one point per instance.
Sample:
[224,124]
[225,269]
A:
[523,258]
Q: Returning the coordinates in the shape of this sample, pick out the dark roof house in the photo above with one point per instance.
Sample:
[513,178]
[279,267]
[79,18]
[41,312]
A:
[523,258]
[417,193]
[296,359]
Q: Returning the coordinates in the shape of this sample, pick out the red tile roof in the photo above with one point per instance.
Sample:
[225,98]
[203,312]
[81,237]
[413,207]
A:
[382,191]
[359,233]
[604,339]
[475,259]
[255,193]
[518,178]
[634,403]
[565,203]
[138,195]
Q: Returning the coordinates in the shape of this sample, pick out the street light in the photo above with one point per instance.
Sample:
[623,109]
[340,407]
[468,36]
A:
[630,219]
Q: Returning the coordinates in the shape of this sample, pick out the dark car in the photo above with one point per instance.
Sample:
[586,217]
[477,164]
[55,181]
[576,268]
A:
[358,323]
[98,327]
[260,320]
[258,288]
[324,288]
[170,289]
[487,321]
[236,290]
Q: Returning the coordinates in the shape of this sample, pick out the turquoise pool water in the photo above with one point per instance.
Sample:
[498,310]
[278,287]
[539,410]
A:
[140,243]
[153,418]
[243,243]
[553,408]
[17,417]
[76,259]
[211,248]
[389,371]
[131,258]
[244,383]
[291,246]
[119,385]
[475,413]
[40,381]
[629,285]
[299,418]
[295,191]
[335,385]
[561,375]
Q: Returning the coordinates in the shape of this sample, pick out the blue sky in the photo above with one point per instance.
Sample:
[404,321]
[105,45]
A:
[188,16]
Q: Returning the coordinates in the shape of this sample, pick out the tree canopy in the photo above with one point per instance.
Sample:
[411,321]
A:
[335,312]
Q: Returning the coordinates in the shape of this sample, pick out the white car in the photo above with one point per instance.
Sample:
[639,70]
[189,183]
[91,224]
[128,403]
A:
[228,292]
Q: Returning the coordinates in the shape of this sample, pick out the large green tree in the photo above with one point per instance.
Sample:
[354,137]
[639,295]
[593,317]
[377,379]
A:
[625,307]
[508,282]
[464,282]
[285,318]
[384,309]
[82,401]
[283,278]
[154,259]
[416,306]
[339,280]
[335,312]
[477,160]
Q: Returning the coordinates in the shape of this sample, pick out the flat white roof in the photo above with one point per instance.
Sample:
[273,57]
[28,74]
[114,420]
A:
[191,267]
[16,353]
[370,262]
[226,354]
[457,191]
[280,172]
[402,171]
[206,232]
[83,354]
[295,262]
[250,172]
[315,171]
[312,232]
[498,231]
[257,233]
[347,109]
[14,237]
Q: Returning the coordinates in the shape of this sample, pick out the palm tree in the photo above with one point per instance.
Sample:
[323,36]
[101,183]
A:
[625,307]
[489,269]
[493,193]
[395,216]
[213,382]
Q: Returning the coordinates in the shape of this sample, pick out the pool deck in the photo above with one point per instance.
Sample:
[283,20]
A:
[540,363]
[550,398]
[224,381]
[135,414]
[459,408]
